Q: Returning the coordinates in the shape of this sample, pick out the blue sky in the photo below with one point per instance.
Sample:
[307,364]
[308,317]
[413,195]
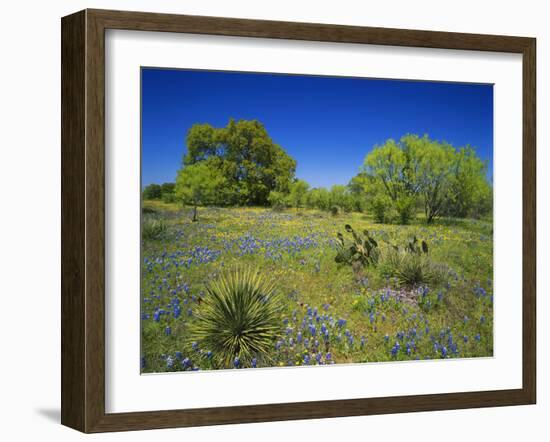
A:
[328,124]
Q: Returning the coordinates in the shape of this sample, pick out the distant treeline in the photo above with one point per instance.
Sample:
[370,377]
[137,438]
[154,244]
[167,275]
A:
[164,192]
[239,165]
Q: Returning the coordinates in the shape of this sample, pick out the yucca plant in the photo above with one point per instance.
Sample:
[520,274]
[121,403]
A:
[239,319]
[414,270]
[153,229]
[412,265]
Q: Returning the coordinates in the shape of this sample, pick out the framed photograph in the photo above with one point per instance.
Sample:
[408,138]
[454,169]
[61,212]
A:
[266,221]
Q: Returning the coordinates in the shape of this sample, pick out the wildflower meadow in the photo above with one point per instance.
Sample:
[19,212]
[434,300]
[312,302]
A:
[298,221]
[328,316]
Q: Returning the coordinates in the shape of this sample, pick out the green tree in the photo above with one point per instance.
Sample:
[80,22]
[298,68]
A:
[388,165]
[167,192]
[471,194]
[278,200]
[428,171]
[251,162]
[200,184]
[318,198]
[152,192]
[341,197]
[297,194]
[419,170]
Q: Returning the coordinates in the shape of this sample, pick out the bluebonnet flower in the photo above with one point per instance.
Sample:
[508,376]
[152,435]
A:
[236,362]
[478,337]
[395,349]
[443,352]
[169,362]
[168,331]
[253,362]
[482,319]
[208,354]
[386,338]
[299,337]
[341,323]
[195,346]
[142,362]
[465,338]
[178,355]
[328,356]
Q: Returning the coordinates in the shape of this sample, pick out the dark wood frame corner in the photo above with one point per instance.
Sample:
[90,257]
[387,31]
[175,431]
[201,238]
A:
[83,217]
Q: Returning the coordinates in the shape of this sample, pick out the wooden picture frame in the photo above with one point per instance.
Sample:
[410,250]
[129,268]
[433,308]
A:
[83,220]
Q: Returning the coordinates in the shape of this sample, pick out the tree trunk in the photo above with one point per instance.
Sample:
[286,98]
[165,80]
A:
[195,214]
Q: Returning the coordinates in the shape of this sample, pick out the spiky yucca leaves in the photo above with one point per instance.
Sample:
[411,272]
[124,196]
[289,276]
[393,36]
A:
[412,265]
[152,229]
[240,317]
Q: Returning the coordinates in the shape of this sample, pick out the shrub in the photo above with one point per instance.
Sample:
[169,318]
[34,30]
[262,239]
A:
[381,207]
[153,229]
[240,317]
[277,200]
[148,211]
[405,207]
[168,197]
[335,210]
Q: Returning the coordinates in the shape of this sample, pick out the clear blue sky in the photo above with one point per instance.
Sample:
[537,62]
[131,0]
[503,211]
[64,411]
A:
[328,124]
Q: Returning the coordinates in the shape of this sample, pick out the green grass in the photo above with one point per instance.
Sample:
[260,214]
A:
[372,318]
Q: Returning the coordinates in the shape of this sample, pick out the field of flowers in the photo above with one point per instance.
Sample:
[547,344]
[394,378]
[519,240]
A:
[329,316]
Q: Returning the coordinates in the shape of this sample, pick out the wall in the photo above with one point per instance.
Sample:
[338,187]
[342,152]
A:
[30,221]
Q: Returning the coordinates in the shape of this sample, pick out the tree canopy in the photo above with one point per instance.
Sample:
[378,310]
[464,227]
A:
[252,164]
[241,165]
[163,191]
[442,179]
[200,184]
